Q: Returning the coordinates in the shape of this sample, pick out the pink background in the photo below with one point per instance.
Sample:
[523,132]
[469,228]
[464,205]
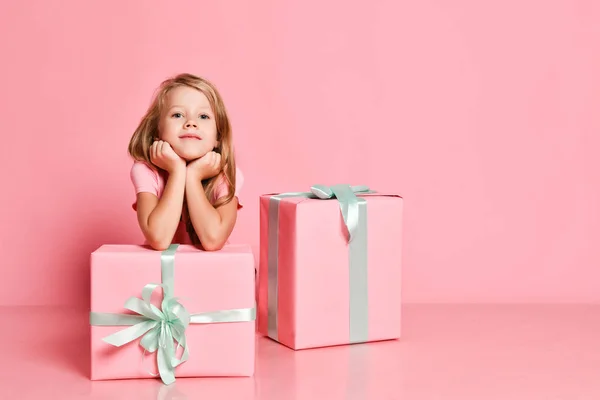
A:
[483,115]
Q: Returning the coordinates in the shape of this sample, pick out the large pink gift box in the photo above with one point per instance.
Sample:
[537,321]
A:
[319,285]
[203,282]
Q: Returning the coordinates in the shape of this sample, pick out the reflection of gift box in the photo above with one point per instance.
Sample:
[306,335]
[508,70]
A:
[205,318]
[330,267]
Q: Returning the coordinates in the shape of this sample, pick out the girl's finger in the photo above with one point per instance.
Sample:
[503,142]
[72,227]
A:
[153,151]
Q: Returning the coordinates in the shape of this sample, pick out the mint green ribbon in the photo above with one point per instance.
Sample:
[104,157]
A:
[162,327]
[354,214]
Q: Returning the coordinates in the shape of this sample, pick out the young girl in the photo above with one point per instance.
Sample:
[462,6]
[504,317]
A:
[184,170]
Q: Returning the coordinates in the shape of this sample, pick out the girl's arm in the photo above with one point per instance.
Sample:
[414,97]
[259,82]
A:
[159,218]
[212,225]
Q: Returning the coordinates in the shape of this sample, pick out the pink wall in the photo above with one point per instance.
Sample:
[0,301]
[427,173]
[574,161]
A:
[484,116]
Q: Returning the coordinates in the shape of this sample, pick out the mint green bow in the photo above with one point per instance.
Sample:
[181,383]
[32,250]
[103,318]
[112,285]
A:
[346,196]
[159,328]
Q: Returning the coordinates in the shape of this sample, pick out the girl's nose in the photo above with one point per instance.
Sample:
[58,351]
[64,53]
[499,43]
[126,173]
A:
[191,124]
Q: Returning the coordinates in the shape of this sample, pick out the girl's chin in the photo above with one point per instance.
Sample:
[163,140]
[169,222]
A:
[191,156]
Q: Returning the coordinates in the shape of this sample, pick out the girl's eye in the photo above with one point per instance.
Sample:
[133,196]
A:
[177,115]
[204,116]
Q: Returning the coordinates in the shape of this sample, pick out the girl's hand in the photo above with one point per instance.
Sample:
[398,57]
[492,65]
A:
[205,167]
[163,156]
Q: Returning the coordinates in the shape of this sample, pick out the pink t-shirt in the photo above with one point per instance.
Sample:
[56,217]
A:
[147,179]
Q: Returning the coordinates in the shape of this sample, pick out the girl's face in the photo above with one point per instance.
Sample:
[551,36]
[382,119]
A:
[187,123]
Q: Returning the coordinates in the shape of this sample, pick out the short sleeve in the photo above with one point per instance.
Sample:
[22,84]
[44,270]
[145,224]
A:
[223,191]
[144,179]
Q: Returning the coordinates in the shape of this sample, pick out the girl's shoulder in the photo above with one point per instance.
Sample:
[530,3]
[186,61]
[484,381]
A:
[142,167]
[239,180]
[222,190]
[146,178]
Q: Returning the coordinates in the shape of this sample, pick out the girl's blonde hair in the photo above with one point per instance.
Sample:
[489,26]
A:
[147,132]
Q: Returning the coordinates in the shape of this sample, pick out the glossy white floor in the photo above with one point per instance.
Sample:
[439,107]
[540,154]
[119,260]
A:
[447,352]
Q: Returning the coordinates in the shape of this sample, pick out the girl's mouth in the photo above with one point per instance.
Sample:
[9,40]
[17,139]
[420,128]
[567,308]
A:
[190,136]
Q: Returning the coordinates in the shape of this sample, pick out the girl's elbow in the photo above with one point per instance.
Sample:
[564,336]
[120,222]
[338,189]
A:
[160,245]
[213,244]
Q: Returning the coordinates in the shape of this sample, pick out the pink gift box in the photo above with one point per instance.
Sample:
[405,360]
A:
[203,282]
[306,294]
